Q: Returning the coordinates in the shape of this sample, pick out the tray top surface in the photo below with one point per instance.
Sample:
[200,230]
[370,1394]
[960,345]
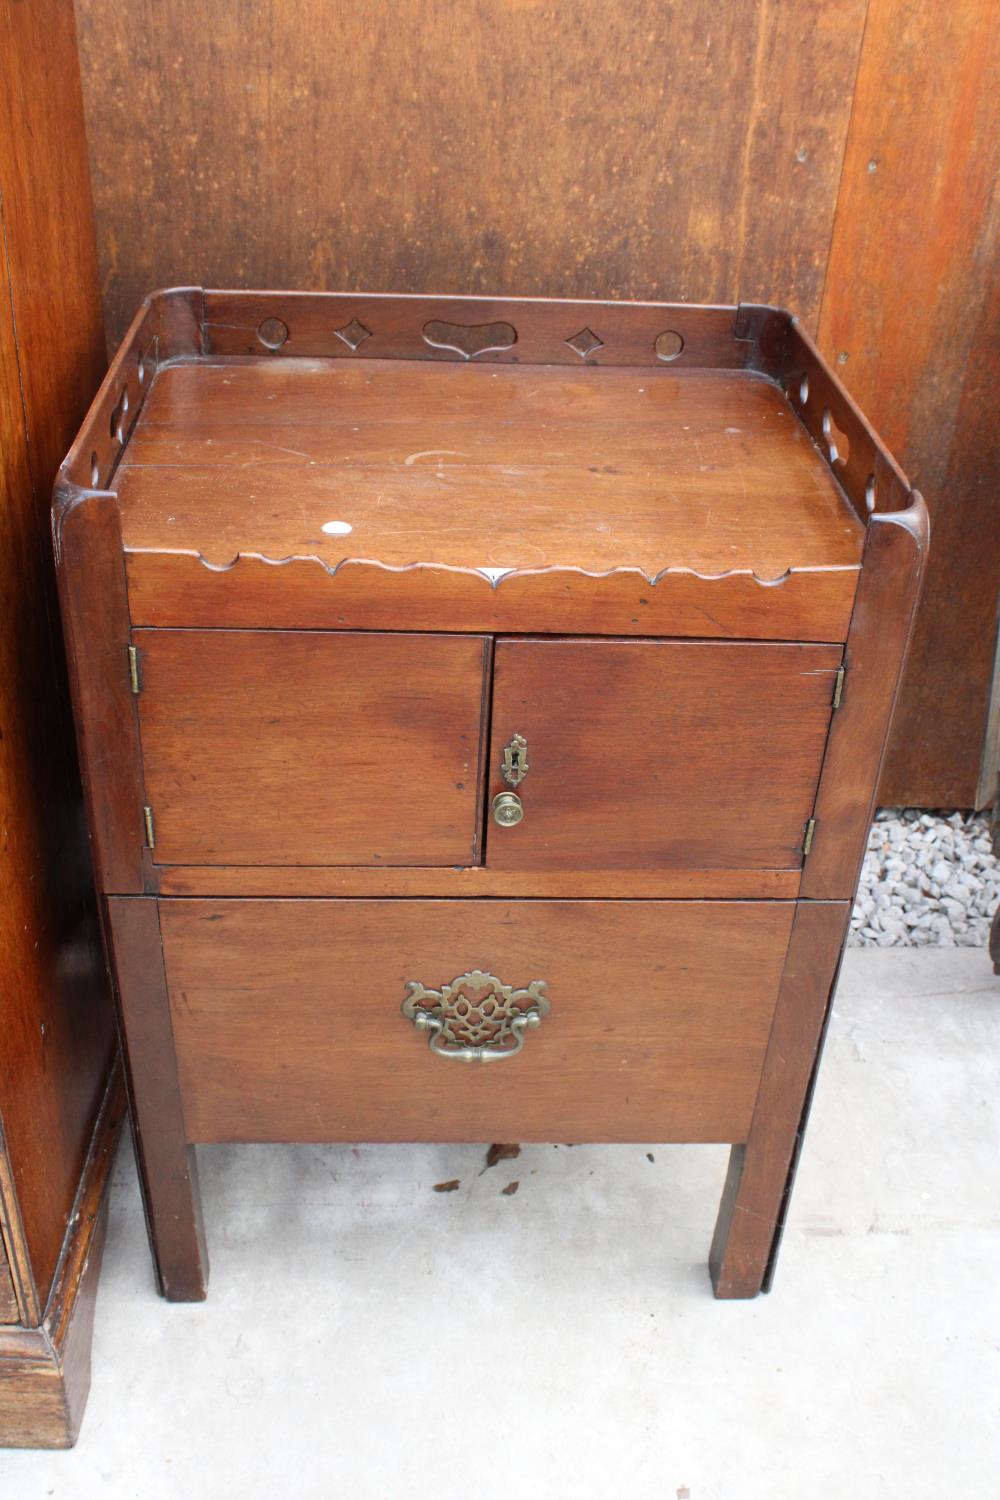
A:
[491,467]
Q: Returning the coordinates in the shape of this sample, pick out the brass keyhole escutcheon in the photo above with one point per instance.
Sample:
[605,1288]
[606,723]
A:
[508,809]
[515,761]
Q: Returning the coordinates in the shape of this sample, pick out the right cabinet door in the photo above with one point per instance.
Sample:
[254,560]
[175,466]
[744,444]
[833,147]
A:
[658,754]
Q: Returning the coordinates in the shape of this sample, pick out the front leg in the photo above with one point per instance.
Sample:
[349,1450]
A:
[167,1168]
[754,1198]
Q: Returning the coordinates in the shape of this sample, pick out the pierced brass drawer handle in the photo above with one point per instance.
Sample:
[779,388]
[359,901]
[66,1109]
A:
[476,1018]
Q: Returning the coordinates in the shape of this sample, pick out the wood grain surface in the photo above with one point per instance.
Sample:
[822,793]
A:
[287,1020]
[881,627]
[912,307]
[512,467]
[9,1312]
[56,1029]
[45,1371]
[499,329]
[647,754]
[168,1169]
[626,150]
[178,589]
[471,880]
[49,231]
[95,619]
[306,748]
[607,500]
[838,158]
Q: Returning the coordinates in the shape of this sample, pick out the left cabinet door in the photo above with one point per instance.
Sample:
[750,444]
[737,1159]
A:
[268,747]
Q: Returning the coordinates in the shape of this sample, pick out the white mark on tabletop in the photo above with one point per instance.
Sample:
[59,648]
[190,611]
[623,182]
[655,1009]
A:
[295,452]
[433,453]
[337,528]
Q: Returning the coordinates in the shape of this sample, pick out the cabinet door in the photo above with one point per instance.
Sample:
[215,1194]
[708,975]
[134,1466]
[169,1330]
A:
[659,754]
[311,747]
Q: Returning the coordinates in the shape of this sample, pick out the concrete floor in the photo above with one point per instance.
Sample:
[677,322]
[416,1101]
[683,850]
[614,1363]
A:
[370,1339]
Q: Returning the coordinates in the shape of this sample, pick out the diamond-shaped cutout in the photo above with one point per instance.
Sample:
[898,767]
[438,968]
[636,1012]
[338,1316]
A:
[585,342]
[353,334]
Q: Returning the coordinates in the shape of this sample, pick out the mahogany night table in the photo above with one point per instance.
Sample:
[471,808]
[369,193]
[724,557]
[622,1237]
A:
[481,704]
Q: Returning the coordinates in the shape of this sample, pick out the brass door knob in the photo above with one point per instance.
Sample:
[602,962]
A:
[508,809]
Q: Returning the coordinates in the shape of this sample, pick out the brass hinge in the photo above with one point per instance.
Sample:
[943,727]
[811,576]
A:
[838,686]
[133,669]
[147,818]
[807,841]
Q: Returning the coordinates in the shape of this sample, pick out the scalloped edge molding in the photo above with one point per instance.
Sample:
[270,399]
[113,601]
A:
[493,576]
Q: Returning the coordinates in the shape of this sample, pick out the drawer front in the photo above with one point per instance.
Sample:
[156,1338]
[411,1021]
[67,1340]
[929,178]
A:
[659,754]
[312,747]
[288,1021]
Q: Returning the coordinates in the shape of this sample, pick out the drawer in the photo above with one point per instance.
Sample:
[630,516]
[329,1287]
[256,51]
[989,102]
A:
[288,1023]
[312,747]
[659,754]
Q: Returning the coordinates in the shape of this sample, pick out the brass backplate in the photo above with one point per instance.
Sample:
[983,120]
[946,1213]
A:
[515,761]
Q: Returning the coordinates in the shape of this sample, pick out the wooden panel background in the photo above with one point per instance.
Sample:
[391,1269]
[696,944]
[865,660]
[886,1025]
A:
[913,299]
[56,1033]
[605,148]
[618,148]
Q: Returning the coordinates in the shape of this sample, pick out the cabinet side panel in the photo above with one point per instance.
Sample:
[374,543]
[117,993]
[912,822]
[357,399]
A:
[877,643]
[95,619]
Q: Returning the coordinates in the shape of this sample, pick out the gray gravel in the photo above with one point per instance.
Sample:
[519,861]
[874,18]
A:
[929,880]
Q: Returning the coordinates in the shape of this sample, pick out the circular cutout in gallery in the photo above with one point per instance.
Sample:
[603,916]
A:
[337,528]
